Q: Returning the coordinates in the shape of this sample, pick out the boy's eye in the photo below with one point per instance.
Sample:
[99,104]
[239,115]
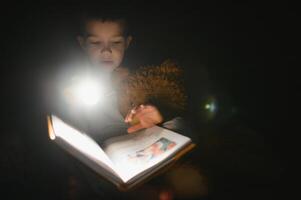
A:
[117,42]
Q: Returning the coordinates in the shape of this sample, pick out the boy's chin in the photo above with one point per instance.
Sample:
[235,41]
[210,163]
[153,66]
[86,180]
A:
[108,67]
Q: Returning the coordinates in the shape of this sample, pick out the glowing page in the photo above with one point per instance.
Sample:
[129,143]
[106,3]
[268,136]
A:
[133,154]
[82,143]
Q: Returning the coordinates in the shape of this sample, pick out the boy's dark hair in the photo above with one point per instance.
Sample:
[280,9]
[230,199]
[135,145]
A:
[104,14]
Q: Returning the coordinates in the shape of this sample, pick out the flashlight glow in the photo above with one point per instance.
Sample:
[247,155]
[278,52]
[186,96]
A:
[88,92]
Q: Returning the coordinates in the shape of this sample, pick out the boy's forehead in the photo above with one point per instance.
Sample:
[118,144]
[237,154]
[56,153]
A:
[98,28]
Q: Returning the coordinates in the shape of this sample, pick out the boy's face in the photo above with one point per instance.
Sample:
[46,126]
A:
[104,43]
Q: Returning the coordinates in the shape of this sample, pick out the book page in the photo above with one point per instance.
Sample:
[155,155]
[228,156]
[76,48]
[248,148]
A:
[82,143]
[134,153]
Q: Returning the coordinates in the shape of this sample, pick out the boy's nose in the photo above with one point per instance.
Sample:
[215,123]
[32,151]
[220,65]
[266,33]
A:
[106,49]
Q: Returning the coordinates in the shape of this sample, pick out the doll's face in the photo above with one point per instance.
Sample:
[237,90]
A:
[104,43]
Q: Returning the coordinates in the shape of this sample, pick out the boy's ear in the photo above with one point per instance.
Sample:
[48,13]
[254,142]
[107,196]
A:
[128,41]
[81,41]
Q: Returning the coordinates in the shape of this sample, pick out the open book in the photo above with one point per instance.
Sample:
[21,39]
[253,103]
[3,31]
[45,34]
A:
[126,160]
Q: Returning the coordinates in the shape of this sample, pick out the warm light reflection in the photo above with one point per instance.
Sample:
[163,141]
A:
[51,133]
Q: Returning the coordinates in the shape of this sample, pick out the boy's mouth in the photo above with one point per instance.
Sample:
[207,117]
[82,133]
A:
[107,62]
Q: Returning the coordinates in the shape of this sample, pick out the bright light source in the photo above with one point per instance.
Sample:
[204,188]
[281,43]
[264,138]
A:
[88,92]
[207,106]
[211,106]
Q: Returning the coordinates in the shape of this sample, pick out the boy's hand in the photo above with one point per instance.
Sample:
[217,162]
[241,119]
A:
[143,116]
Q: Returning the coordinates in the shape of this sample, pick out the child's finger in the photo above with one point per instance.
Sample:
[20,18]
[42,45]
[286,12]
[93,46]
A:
[141,113]
[135,128]
[139,109]
[129,116]
[133,112]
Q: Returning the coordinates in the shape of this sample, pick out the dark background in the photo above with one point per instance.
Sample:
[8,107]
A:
[238,53]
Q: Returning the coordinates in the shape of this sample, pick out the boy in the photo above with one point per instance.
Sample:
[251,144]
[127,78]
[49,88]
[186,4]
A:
[104,39]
